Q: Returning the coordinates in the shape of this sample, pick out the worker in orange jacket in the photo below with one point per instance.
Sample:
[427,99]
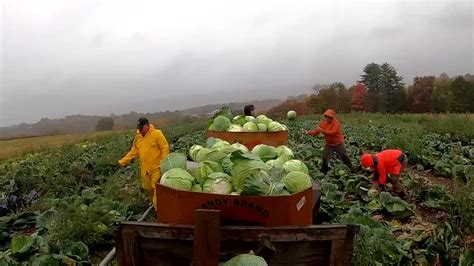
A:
[151,146]
[330,127]
[384,163]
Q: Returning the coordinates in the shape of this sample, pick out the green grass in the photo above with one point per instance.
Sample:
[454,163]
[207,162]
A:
[17,147]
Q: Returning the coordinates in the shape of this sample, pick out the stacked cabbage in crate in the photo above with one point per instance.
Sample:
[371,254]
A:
[242,123]
[224,168]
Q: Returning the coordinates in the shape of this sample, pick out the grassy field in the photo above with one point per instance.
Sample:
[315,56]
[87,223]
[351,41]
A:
[70,191]
[16,147]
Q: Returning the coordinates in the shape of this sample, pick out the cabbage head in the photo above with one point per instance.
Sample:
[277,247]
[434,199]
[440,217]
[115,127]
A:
[275,127]
[280,161]
[271,163]
[235,128]
[177,178]
[220,145]
[218,183]
[263,119]
[239,120]
[264,152]
[295,165]
[240,147]
[246,260]
[173,160]
[206,154]
[291,115]
[194,150]
[221,123]
[250,127]
[243,168]
[284,150]
[297,181]
[250,118]
[206,168]
[262,127]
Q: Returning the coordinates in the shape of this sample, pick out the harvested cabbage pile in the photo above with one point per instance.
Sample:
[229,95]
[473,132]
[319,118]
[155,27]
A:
[243,123]
[225,168]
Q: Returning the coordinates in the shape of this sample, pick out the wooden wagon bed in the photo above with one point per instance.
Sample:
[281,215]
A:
[208,243]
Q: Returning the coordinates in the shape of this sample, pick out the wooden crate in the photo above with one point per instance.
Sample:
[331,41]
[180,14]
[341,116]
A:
[208,243]
[251,139]
[177,207]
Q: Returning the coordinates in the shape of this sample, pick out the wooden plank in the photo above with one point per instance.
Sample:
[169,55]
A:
[243,233]
[352,230]
[207,234]
[161,244]
[338,252]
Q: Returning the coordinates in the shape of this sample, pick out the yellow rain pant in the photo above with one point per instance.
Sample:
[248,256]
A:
[149,181]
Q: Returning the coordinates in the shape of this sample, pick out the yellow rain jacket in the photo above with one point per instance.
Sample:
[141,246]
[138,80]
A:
[151,149]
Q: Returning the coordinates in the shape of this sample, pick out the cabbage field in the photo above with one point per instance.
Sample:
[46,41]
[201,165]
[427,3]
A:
[59,206]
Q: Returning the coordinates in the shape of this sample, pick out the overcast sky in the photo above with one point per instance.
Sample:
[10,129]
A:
[63,57]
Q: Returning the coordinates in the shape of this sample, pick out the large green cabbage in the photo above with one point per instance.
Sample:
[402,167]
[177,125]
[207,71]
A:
[206,154]
[206,168]
[284,150]
[220,145]
[250,127]
[218,183]
[297,181]
[194,150]
[221,123]
[275,127]
[177,178]
[235,128]
[295,165]
[240,147]
[245,260]
[264,152]
[261,183]
[291,115]
[281,160]
[173,160]
[262,127]
[239,120]
[262,119]
[243,168]
[250,118]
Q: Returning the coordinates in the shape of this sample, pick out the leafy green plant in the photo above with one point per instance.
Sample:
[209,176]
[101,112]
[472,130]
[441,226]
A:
[444,245]
[396,206]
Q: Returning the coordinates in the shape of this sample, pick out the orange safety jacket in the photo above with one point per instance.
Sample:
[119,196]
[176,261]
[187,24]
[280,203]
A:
[387,162]
[332,132]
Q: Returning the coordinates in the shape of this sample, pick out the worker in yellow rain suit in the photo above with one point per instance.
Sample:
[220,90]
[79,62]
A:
[151,147]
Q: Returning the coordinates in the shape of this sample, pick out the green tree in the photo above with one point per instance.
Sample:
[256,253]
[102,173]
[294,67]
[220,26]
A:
[385,88]
[391,88]
[371,80]
[442,94]
[463,95]
[421,94]
[105,123]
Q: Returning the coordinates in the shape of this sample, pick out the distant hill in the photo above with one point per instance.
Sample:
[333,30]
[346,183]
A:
[84,123]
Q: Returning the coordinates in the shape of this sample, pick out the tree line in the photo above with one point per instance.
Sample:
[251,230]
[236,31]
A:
[381,89]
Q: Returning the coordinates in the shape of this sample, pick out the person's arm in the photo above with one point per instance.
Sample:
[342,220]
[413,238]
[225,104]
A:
[133,153]
[162,144]
[336,129]
[382,175]
[315,131]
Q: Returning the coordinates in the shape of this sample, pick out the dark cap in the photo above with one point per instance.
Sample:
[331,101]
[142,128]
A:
[142,121]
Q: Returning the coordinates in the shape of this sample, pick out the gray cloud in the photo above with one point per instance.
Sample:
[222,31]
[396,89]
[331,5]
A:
[98,57]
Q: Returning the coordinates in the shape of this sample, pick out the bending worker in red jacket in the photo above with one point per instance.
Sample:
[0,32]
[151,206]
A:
[331,129]
[383,163]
